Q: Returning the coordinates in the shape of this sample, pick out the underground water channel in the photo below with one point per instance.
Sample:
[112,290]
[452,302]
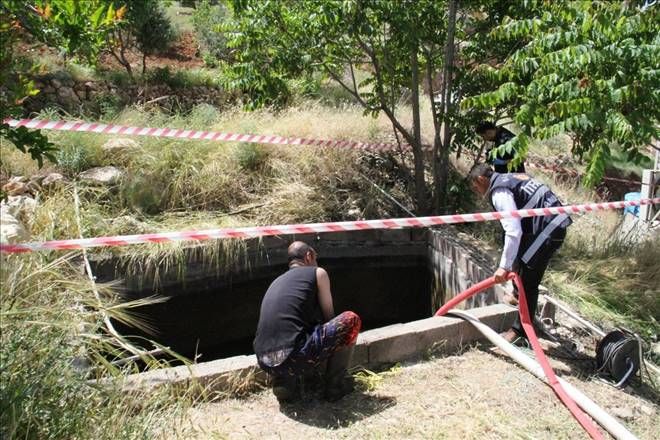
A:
[212,307]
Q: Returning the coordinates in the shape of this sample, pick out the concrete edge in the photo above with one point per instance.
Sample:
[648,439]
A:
[394,343]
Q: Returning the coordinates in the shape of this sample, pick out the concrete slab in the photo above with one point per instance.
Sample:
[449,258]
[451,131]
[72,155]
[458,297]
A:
[390,344]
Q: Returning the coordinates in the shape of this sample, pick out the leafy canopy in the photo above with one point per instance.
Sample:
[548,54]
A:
[15,87]
[377,51]
[587,69]
[77,28]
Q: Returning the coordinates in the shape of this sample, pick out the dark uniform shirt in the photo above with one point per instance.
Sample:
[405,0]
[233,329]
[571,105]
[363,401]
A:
[531,194]
[499,163]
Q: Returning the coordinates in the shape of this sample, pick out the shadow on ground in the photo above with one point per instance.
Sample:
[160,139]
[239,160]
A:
[352,408]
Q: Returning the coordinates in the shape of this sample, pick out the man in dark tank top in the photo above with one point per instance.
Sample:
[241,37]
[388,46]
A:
[298,329]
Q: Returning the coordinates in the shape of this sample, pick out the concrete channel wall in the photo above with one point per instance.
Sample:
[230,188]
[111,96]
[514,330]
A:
[454,261]
[374,348]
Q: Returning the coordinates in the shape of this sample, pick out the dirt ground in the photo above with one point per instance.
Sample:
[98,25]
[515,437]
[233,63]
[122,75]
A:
[475,394]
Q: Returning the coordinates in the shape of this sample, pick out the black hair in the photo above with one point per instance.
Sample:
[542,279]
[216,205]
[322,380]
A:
[484,126]
[479,170]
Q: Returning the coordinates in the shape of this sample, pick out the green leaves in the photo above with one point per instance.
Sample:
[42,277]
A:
[485,101]
[15,88]
[28,141]
[78,28]
[515,29]
[597,163]
[587,69]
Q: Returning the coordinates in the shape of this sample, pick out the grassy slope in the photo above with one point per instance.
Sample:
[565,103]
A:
[268,184]
[173,185]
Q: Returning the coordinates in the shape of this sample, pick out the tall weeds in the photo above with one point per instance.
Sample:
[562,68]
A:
[53,349]
[611,279]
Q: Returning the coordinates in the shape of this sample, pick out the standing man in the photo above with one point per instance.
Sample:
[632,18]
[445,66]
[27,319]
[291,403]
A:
[529,242]
[298,329]
[500,136]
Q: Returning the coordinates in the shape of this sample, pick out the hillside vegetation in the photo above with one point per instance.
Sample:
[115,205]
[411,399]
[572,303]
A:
[61,366]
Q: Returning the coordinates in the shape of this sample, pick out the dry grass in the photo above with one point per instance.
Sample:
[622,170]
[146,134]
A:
[53,344]
[451,397]
[176,185]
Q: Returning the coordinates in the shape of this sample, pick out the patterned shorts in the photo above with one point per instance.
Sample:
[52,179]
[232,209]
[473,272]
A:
[339,332]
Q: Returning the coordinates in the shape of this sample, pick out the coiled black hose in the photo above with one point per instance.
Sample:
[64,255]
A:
[618,355]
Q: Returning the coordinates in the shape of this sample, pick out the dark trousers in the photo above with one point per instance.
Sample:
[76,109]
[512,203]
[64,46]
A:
[531,274]
[326,339]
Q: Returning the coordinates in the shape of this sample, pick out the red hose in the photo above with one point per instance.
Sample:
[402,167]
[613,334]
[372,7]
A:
[579,415]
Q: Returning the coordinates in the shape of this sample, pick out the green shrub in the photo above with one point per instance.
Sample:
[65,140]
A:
[151,28]
[145,192]
[75,158]
[202,116]
[207,20]
[181,79]
[251,157]
[145,27]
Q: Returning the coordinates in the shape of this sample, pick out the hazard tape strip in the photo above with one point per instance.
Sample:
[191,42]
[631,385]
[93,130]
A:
[174,133]
[311,228]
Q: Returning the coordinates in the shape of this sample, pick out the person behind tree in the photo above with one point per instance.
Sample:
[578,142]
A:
[529,242]
[499,136]
[298,329]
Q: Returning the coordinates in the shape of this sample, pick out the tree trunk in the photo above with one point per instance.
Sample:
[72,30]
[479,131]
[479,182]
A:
[442,170]
[420,183]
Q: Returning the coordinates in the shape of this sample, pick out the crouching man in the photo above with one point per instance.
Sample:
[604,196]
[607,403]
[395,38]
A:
[298,329]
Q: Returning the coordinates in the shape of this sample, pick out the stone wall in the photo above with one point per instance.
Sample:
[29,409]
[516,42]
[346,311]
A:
[386,276]
[458,261]
[62,91]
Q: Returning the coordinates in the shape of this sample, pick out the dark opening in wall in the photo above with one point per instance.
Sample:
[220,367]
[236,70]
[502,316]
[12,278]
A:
[216,317]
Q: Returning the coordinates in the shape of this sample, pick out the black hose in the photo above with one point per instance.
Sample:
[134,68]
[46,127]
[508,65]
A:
[618,356]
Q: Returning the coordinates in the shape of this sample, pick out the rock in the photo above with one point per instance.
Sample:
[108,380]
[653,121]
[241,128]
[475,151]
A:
[624,413]
[63,77]
[102,175]
[52,180]
[646,410]
[67,97]
[11,230]
[120,145]
[18,206]
[15,188]
[37,179]
[20,185]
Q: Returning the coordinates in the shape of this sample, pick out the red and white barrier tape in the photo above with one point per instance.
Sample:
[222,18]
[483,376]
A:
[311,228]
[190,134]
